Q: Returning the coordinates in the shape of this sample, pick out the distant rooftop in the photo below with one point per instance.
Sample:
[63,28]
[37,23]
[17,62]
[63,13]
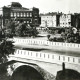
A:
[16,4]
[50,14]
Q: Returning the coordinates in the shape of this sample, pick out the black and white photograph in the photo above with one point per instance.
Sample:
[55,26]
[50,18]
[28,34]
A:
[39,39]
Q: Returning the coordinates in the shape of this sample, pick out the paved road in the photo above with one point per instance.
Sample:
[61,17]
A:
[50,49]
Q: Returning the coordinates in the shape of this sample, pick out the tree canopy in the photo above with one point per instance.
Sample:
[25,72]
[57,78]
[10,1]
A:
[6,48]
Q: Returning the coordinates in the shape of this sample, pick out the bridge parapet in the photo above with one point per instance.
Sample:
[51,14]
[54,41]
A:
[46,43]
[48,61]
[45,57]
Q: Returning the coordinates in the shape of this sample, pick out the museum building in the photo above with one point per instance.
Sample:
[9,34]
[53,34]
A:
[16,12]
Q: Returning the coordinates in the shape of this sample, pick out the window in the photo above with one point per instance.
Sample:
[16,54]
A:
[31,53]
[21,52]
[44,55]
[28,53]
[24,21]
[18,51]
[36,20]
[27,14]
[63,58]
[79,60]
[30,14]
[69,23]
[24,52]
[31,21]
[12,14]
[59,57]
[21,14]
[52,56]
[27,21]
[73,59]
[35,15]
[40,54]
[36,54]
[48,55]
[68,58]
[24,14]
[17,21]
[17,14]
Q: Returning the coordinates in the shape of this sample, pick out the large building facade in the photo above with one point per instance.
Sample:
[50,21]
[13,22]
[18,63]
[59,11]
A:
[16,12]
[65,20]
[70,20]
[49,20]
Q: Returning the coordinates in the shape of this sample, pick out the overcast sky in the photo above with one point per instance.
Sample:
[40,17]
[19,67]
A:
[48,5]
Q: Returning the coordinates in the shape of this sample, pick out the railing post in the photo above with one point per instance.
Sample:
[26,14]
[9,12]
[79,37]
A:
[63,67]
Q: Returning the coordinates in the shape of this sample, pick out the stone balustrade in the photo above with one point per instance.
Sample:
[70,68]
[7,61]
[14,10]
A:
[46,43]
[45,57]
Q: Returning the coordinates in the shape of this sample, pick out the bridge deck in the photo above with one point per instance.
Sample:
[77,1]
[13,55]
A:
[50,49]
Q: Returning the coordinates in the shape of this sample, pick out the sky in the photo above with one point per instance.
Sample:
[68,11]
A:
[45,6]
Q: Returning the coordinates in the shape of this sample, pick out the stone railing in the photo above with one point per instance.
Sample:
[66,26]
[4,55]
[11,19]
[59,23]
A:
[45,42]
[44,57]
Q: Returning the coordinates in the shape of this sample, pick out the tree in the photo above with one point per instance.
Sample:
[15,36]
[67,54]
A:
[6,48]
[20,29]
[24,30]
[10,28]
[70,36]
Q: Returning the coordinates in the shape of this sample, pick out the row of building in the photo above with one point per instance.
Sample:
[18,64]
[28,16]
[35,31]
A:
[60,20]
[16,12]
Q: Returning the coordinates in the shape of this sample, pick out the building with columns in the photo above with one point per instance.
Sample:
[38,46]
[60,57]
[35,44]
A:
[15,11]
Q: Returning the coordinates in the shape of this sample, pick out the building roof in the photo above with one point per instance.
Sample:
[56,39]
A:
[20,9]
[16,6]
[49,14]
